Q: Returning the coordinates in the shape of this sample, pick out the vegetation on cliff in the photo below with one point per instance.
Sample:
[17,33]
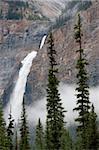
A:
[56,136]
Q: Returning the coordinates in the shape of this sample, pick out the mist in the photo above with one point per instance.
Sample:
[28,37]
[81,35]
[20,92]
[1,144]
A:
[68,95]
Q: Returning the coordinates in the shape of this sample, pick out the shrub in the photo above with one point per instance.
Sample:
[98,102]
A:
[84,5]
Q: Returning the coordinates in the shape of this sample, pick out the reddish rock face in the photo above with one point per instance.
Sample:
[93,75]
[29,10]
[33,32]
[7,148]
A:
[92,13]
[66,49]
[29,8]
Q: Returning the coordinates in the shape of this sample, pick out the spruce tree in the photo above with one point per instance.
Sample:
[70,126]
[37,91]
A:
[4,144]
[24,130]
[39,140]
[83,103]
[67,143]
[55,111]
[93,131]
[16,141]
[10,131]
[78,143]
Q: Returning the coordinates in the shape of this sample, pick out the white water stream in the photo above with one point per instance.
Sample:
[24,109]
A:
[43,41]
[39,108]
[19,90]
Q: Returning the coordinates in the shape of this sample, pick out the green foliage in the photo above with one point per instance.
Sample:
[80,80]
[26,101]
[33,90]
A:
[37,17]
[83,103]
[71,4]
[34,17]
[91,136]
[78,143]
[18,4]
[67,143]
[39,140]
[15,9]
[87,127]
[16,141]
[82,76]
[4,145]
[81,5]
[55,111]
[84,5]
[92,132]
[1,14]
[10,131]
[13,14]
[24,131]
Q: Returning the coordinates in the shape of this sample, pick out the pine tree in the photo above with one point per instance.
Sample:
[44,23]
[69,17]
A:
[39,140]
[10,131]
[93,131]
[55,111]
[67,143]
[83,103]
[3,133]
[78,143]
[16,141]
[24,131]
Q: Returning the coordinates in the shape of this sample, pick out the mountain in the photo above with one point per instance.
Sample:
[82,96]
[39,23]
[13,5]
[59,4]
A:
[66,49]
[50,8]
[21,36]
[31,9]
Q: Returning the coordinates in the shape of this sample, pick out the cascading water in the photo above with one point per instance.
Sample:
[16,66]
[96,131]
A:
[19,90]
[43,41]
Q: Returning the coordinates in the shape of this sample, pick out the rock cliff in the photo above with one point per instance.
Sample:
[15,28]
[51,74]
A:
[21,37]
[66,48]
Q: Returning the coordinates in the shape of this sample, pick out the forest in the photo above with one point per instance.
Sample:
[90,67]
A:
[55,134]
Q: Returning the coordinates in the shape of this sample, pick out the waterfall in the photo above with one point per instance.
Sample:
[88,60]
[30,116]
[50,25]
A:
[19,89]
[43,41]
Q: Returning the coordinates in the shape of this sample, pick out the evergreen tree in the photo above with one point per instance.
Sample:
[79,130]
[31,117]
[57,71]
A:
[78,143]
[39,140]
[93,131]
[3,133]
[24,131]
[10,131]
[83,103]
[67,143]
[16,141]
[55,111]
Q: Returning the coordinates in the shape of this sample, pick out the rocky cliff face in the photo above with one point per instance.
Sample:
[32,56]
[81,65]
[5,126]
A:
[50,8]
[66,48]
[20,37]
[31,9]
